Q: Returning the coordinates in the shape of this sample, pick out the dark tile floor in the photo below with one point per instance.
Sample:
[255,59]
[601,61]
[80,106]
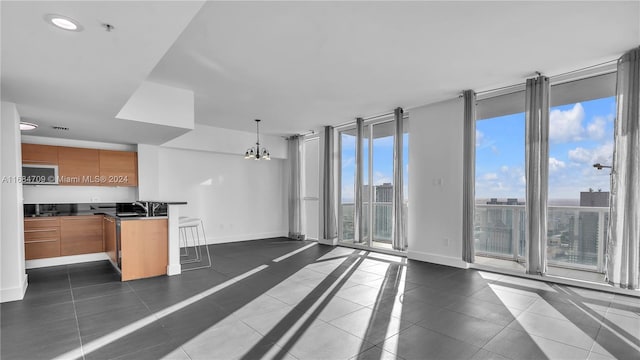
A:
[320,303]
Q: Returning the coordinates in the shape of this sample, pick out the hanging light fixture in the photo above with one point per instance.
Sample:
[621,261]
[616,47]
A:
[256,152]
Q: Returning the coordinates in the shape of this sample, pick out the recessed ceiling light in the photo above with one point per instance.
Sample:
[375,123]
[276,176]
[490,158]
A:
[25,126]
[63,22]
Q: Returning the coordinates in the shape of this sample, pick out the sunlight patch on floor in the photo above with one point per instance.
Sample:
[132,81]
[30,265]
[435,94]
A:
[552,332]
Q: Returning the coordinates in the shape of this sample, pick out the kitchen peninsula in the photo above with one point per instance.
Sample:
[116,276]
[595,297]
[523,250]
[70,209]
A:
[134,237]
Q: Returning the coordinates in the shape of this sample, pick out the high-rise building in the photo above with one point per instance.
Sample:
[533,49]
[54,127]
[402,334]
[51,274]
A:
[594,198]
[384,192]
[587,247]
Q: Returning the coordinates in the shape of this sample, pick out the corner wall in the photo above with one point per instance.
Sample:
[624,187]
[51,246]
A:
[435,180]
[12,267]
[237,199]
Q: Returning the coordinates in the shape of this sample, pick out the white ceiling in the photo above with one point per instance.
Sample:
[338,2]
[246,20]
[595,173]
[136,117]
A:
[301,65]
[81,80]
[295,65]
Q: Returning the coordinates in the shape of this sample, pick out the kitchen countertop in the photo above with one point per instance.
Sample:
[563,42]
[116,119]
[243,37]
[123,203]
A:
[122,211]
[92,213]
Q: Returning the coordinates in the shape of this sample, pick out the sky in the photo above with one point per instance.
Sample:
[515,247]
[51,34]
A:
[580,135]
[382,163]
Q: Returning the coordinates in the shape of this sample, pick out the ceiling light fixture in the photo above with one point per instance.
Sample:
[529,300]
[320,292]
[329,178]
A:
[257,153]
[25,126]
[63,22]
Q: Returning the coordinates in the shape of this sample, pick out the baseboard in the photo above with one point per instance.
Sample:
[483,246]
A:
[330,242]
[244,237]
[437,259]
[65,260]
[15,293]
[174,269]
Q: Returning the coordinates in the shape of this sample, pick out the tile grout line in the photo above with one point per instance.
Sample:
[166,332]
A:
[75,313]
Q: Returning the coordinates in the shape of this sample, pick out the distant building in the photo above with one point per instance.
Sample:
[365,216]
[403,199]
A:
[587,249]
[510,201]
[384,193]
[594,198]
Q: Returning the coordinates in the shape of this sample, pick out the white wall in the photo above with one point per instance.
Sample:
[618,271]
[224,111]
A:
[61,194]
[13,277]
[435,180]
[148,172]
[225,141]
[46,194]
[237,199]
[160,104]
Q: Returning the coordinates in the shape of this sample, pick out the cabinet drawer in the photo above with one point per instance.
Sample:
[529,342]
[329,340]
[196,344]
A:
[41,223]
[41,235]
[41,250]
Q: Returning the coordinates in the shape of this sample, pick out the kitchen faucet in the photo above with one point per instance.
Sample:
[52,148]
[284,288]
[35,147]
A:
[143,206]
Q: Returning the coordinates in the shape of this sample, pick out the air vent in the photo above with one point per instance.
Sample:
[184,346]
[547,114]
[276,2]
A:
[61,128]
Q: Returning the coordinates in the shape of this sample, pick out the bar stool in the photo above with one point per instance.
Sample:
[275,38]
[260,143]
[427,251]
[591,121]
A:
[188,225]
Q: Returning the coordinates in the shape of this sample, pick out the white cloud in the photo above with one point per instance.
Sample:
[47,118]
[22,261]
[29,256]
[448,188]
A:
[566,125]
[596,129]
[479,138]
[490,176]
[555,164]
[380,178]
[504,168]
[350,161]
[601,154]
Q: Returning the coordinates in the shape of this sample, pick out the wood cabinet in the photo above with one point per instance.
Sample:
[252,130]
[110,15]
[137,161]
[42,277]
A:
[81,235]
[88,167]
[41,238]
[119,168]
[39,154]
[144,248]
[78,166]
[109,234]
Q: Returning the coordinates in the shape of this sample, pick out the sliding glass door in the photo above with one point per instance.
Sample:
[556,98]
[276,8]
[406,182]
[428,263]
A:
[377,183]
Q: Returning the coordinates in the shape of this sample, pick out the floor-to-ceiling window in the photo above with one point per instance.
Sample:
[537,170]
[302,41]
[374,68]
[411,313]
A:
[580,135]
[377,182]
[581,121]
[500,179]
[347,146]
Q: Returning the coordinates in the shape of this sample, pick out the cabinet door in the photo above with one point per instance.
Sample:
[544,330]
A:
[144,248]
[109,232]
[41,238]
[39,154]
[78,166]
[119,168]
[81,235]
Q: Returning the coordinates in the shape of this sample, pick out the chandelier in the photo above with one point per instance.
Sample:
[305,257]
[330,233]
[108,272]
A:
[256,152]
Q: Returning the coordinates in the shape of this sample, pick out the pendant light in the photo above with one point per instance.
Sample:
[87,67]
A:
[256,152]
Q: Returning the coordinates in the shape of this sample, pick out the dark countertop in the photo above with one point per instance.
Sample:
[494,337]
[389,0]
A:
[167,202]
[93,213]
[121,211]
